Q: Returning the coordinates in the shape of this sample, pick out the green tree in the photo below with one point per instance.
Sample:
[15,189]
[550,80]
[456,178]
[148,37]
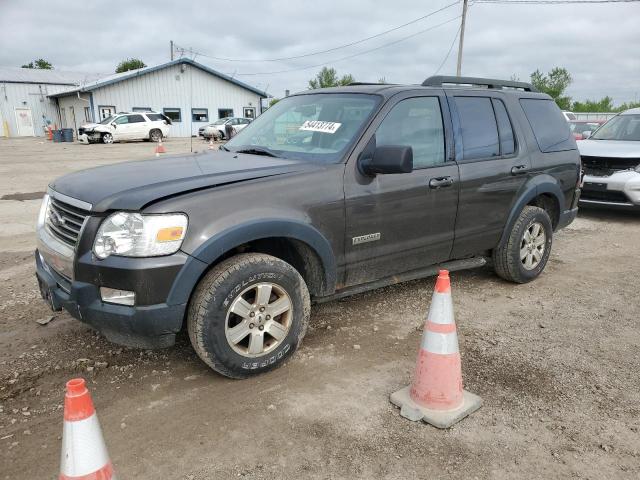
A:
[626,106]
[273,101]
[555,83]
[327,77]
[603,105]
[40,64]
[130,64]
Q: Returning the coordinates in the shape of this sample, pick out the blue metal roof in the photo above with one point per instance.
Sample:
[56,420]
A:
[119,77]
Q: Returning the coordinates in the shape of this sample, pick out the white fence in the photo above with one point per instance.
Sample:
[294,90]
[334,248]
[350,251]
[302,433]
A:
[593,115]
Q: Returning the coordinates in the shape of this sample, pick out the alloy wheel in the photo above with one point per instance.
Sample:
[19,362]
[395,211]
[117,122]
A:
[533,245]
[258,319]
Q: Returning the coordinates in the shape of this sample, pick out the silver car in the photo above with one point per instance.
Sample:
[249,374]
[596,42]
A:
[611,163]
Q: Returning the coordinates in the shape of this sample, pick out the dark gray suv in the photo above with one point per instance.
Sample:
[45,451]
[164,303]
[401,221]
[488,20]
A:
[328,193]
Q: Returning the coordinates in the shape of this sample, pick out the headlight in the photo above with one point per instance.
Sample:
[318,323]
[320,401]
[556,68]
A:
[44,207]
[136,235]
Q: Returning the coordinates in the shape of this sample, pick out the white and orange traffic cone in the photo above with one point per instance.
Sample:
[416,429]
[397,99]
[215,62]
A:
[160,148]
[211,144]
[436,395]
[84,453]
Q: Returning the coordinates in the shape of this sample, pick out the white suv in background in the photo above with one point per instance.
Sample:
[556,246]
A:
[216,130]
[126,126]
[611,163]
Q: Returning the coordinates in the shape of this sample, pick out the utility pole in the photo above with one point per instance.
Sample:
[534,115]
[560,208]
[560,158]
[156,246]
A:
[464,17]
[171,45]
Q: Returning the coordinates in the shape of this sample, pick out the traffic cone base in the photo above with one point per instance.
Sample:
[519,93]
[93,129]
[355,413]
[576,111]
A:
[438,418]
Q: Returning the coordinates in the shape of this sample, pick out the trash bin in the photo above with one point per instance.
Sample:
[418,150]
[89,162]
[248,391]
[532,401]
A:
[57,136]
[67,134]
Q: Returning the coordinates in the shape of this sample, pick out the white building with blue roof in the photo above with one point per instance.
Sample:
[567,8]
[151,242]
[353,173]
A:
[191,94]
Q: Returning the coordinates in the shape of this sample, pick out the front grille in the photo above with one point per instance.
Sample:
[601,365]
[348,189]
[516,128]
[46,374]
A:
[606,166]
[604,196]
[65,221]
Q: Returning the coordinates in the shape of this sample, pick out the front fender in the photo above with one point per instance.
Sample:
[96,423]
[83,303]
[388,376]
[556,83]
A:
[536,186]
[214,248]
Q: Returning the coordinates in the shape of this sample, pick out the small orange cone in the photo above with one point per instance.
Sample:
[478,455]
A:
[84,453]
[160,148]
[436,395]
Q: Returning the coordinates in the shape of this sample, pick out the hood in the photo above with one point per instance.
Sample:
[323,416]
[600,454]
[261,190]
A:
[609,148]
[133,185]
[93,126]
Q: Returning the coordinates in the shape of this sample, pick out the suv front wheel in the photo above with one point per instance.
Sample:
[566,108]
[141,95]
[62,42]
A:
[523,257]
[248,314]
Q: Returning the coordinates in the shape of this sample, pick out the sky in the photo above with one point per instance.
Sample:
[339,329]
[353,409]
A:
[597,43]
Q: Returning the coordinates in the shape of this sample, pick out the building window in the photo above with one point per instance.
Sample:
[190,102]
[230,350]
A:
[173,114]
[249,112]
[225,112]
[141,109]
[200,114]
[87,114]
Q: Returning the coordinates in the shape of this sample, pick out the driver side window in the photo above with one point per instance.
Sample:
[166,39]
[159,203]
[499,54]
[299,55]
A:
[416,123]
[121,120]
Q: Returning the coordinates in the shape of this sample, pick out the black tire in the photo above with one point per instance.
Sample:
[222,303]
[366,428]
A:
[207,314]
[507,261]
[155,135]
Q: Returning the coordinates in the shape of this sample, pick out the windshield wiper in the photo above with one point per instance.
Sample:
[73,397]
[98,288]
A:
[257,151]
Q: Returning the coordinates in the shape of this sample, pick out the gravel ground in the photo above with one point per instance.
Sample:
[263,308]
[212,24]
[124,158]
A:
[555,362]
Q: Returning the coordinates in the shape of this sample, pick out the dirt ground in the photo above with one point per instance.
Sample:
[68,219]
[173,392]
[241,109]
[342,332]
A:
[555,361]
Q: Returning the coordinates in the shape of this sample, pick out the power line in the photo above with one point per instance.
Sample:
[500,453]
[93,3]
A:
[355,54]
[449,51]
[333,49]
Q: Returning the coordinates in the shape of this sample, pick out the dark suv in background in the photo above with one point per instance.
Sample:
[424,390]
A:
[328,193]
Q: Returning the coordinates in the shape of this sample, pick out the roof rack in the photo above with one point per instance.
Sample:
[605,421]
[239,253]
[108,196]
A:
[439,80]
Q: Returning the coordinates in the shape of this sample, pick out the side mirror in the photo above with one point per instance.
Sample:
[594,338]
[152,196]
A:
[388,159]
[114,125]
[586,134]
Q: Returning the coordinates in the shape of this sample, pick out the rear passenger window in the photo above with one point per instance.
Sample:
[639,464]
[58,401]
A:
[549,126]
[507,141]
[479,129]
[136,119]
[416,123]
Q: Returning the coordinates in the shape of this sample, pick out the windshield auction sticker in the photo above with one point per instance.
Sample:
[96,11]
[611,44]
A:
[318,126]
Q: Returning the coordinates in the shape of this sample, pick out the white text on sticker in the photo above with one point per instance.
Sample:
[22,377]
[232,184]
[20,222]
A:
[318,126]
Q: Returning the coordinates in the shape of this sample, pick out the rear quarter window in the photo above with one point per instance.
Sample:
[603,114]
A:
[549,126]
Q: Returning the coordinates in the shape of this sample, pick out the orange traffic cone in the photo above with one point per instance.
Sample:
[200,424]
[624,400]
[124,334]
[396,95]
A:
[84,453]
[436,395]
[160,148]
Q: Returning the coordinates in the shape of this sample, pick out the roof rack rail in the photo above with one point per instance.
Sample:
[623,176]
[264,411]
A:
[439,80]
[352,84]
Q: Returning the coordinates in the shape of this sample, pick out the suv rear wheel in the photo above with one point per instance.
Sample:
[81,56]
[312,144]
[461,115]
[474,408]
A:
[248,314]
[528,247]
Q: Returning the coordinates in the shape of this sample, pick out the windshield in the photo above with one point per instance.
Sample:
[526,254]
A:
[315,127]
[110,118]
[621,127]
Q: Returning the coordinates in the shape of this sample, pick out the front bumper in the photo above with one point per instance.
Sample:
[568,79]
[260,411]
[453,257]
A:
[619,190]
[88,138]
[142,326]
